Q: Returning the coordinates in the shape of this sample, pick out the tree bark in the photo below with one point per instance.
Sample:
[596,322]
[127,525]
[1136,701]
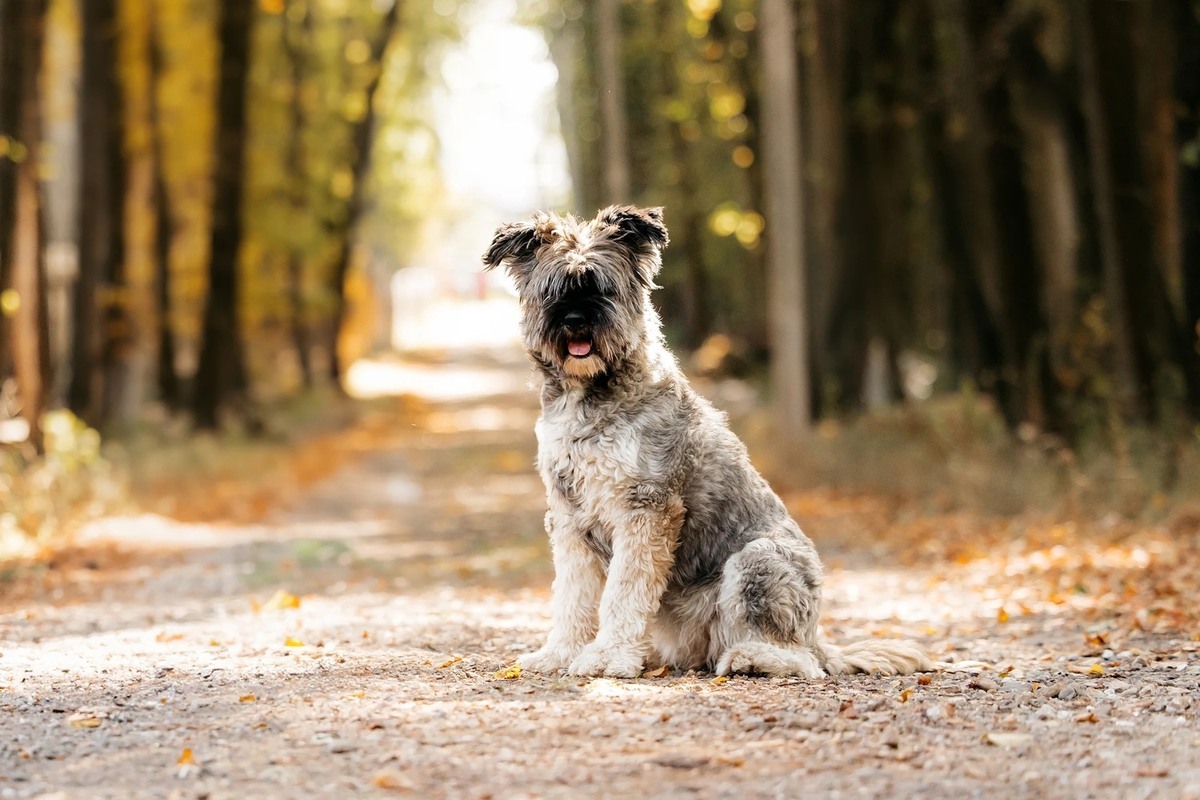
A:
[296,37]
[11,24]
[25,254]
[360,160]
[221,374]
[101,208]
[169,386]
[784,220]
[612,102]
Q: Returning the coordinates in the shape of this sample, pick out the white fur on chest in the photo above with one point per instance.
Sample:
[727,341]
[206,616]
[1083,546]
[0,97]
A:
[587,465]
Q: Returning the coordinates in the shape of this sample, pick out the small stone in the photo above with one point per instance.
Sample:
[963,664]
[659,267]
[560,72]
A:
[983,682]
[342,746]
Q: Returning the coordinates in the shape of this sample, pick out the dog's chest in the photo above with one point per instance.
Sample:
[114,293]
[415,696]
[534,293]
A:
[586,465]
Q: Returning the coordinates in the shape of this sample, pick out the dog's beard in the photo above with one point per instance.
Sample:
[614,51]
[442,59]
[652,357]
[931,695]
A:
[584,368]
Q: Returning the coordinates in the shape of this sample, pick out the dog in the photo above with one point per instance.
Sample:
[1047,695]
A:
[667,543]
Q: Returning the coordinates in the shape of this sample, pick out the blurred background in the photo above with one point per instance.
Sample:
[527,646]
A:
[210,207]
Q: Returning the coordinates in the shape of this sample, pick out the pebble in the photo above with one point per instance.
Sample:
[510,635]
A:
[342,746]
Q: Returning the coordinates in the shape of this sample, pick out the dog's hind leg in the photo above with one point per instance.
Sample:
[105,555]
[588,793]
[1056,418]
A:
[768,610]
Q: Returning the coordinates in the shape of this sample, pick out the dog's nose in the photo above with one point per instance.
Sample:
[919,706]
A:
[574,318]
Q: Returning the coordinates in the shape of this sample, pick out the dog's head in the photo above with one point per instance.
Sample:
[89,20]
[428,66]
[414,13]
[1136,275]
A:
[584,286]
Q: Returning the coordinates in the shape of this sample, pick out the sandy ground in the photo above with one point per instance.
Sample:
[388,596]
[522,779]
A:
[355,643]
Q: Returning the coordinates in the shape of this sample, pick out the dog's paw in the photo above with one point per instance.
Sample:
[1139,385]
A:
[548,659]
[613,662]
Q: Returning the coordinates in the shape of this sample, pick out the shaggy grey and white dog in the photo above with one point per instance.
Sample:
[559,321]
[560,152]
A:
[667,542]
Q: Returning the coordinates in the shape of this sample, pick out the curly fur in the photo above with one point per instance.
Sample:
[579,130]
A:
[666,540]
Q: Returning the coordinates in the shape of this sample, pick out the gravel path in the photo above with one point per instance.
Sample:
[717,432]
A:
[356,641]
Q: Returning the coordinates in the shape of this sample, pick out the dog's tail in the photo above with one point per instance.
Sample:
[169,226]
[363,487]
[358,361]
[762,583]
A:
[880,656]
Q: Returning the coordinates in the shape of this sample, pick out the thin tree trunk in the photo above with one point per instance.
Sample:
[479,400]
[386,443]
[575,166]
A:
[612,102]
[169,388]
[301,337]
[11,24]
[101,207]
[784,218]
[824,160]
[29,331]
[221,374]
[360,160]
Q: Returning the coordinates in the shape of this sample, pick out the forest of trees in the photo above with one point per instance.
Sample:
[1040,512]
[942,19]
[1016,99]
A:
[183,196]
[925,194]
[885,199]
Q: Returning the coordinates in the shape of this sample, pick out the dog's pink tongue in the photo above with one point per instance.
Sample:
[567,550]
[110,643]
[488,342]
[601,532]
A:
[579,348]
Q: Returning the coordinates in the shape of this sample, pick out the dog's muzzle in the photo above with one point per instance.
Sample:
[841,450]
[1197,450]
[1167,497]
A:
[578,334]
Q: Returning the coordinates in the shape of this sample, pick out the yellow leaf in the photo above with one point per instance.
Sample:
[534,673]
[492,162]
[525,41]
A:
[1095,669]
[84,720]
[451,662]
[290,642]
[1002,615]
[247,698]
[391,779]
[508,673]
[717,681]
[905,694]
[186,757]
[661,672]
[280,600]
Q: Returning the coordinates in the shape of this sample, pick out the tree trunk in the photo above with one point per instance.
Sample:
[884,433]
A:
[11,24]
[295,40]
[101,208]
[221,374]
[784,218]
[1049,181]
[824,160]
[169,388]
[360,160]
[25,252]
[1187,133]
[1147,334]
[612,102]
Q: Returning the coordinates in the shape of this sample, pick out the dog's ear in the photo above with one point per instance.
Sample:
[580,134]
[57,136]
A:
[516,243]
[642,229]
[639,227]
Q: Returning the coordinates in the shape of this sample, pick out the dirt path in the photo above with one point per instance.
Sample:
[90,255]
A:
[350,645]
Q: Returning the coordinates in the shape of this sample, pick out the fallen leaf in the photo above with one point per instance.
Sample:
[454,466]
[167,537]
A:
[906,693]
[290,642]
[1002,615]
[450,662]
[1000,739]
[247,698]
[84,719]
[924,679]
[392,779]
[1152,772]
[185,758]
[280,600]
[1095,669]
[508,673]
[163,636]
[661,672]
[717,681]
[1088,717]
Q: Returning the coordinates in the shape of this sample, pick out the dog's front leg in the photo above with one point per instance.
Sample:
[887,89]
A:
[575,596]
[643,549]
